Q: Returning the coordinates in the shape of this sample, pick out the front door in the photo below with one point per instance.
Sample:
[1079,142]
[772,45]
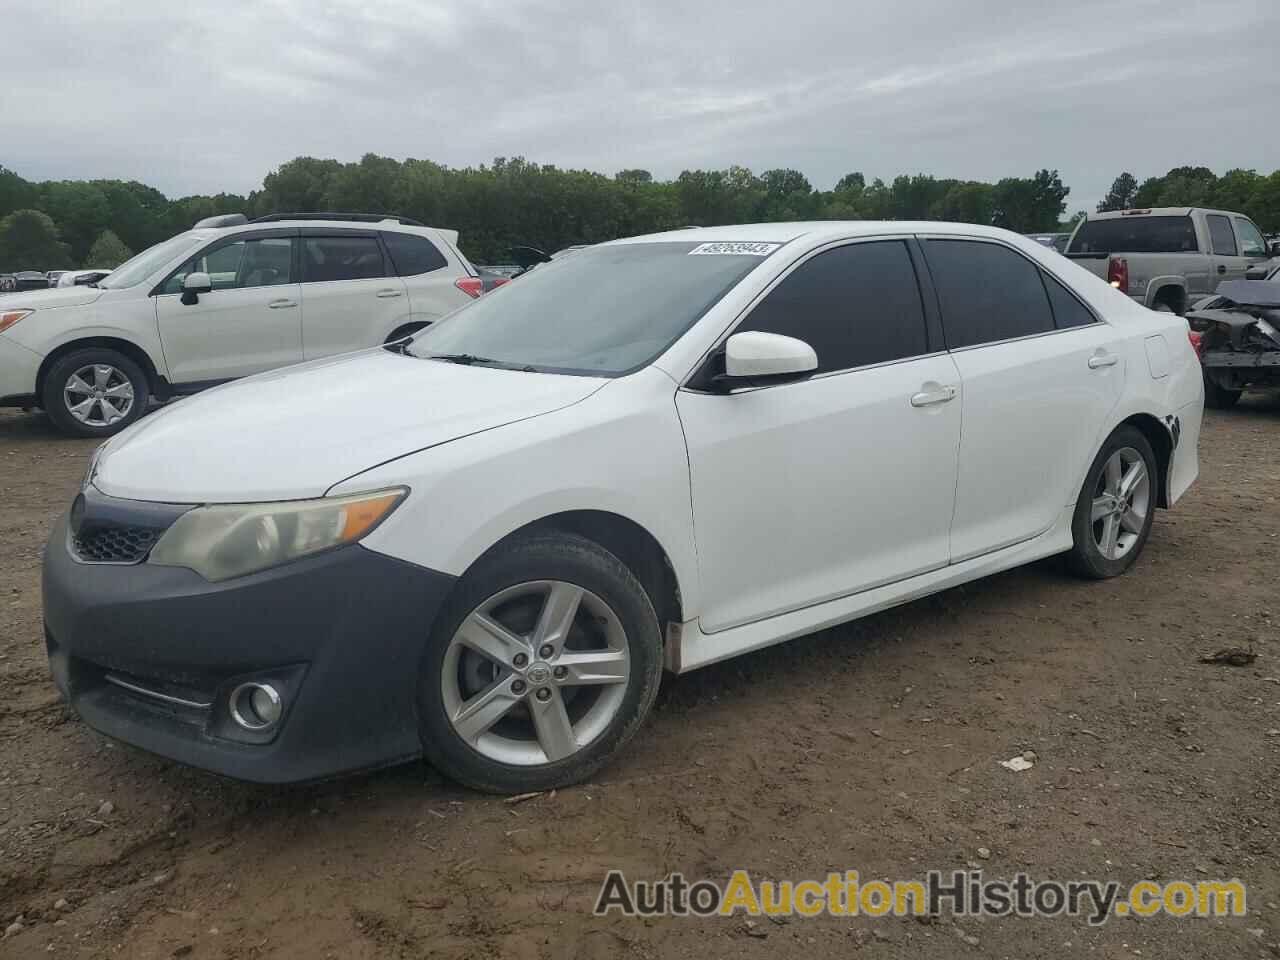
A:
[808,491]
[249,322]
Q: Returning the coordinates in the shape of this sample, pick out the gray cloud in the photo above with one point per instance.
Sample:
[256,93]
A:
[209,95]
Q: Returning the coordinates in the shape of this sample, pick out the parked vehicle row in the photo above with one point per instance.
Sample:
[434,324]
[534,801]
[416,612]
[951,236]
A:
[224,300]
[661,451]
[1166,258]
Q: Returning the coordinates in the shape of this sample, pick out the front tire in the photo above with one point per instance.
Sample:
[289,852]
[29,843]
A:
[95,392]
[1115,508]
[544,662]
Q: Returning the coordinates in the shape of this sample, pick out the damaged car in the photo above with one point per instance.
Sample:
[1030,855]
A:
[1237,334]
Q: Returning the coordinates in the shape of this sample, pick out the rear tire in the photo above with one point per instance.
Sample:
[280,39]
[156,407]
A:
[506,703]
[95,392]
[1219,398]
[1114,511]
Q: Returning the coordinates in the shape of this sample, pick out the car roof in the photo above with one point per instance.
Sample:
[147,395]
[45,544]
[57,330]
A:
[1158,212]
[818,231]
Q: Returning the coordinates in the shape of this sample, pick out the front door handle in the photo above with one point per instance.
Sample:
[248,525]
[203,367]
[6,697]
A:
[282,304]
[1100,360]
[387,294]
[927,398]
[1222,268]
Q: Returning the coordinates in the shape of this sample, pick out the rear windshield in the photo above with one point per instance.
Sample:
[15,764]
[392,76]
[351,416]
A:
[1135,235]
[605,311]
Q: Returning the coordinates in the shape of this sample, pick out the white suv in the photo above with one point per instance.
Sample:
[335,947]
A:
[229,298]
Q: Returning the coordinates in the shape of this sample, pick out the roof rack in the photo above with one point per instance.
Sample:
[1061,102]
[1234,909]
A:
[224,220]
[353,217]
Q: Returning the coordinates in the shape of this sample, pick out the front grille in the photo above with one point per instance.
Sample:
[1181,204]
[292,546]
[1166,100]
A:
[115,544]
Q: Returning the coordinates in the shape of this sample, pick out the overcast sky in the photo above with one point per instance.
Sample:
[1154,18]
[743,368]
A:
[201,97]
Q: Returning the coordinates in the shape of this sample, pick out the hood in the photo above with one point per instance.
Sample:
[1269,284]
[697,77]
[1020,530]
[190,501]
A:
[53,297]
[294,433]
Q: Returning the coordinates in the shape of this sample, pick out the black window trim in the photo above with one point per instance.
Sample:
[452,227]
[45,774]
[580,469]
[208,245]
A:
[1039,266]
[222,241]
[933,341]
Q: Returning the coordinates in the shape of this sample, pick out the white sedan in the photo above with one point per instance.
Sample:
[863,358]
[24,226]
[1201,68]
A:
[662,451]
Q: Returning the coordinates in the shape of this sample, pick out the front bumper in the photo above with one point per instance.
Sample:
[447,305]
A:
[18,369]
[341,633]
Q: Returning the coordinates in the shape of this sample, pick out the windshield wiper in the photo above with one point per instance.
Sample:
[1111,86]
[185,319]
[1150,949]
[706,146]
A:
[463,358]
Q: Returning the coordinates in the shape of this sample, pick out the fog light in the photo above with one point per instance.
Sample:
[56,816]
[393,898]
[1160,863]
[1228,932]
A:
[255,706]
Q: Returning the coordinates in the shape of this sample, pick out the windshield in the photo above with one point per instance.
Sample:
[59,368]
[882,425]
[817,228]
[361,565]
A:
[133,272]
[605,311]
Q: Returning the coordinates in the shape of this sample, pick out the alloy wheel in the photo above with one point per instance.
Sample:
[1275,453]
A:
[98,395]
[1121,502]
[535,673]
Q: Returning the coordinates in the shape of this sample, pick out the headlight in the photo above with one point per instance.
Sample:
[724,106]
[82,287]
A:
[9,317]
[92,466]
[223,541]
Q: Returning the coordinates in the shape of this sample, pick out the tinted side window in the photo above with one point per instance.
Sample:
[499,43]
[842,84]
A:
[413,255]
[1067,310]
[1224,241]
[341,258]
[987,292]
[854,305]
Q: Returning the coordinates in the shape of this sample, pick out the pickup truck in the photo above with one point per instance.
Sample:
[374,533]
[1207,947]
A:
[1167,257]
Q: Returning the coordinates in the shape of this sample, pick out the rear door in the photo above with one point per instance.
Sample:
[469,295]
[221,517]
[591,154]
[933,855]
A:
[817,489]
[249,322]
[351,296]
[428,279]
[1228,263]
[1040,373]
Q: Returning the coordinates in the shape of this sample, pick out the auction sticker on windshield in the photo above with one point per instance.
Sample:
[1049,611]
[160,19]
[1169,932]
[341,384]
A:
[737,248]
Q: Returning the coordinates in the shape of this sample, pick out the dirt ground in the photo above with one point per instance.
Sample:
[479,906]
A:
[873,746]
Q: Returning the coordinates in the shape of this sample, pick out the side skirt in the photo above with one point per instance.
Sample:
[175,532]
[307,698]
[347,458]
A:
[689,648]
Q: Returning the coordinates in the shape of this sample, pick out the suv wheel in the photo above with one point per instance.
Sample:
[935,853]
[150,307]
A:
[95,392]
[1115,508]
[543,664]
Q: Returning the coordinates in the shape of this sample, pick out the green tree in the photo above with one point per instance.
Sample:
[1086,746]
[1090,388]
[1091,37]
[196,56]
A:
[29,241]
[15,193]
[1030,206]
[1121,195]
[81,211]
[108,251]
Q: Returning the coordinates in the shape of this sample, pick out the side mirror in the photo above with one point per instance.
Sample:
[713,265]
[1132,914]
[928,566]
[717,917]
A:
[194,284]
[1256,273]
[755,359]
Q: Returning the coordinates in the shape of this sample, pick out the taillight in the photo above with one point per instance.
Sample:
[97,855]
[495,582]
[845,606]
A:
[1118,274]
[471,286]
[1197,341]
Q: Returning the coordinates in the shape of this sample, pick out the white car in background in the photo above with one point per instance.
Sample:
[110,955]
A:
[667,450]
[82,278]
[227,299]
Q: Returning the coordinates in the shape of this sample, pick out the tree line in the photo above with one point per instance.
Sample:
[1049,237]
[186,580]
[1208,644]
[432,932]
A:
[99,223]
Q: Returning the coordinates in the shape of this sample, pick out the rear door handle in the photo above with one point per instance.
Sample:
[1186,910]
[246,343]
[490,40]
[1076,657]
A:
[927,398]
[282,304]
[1100,360]
[387,294]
